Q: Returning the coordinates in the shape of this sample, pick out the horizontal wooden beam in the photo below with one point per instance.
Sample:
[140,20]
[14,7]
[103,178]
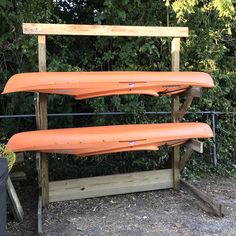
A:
[103,30]
[110,185]
[195,145]
[208,204]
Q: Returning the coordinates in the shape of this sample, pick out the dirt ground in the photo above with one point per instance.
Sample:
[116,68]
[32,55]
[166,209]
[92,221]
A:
[165,212]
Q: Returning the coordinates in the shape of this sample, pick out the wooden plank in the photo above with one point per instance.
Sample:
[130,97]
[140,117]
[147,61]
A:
[42,122]
[175,62]
[185,158]
[196,145]
[175,54]
[208,204]
[103,30]
[110,185]
[14,201]
[175,167]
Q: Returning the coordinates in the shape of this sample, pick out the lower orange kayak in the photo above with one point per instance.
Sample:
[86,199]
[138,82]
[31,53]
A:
[84,85]
[89,141]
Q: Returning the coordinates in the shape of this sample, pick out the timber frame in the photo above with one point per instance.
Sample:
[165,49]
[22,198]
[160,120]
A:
[122,183]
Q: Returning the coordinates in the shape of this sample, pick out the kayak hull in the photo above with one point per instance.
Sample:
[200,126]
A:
[89,141]
[83,85]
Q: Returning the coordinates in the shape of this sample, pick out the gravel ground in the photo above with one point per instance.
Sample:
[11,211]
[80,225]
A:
[28,198]
[165,212]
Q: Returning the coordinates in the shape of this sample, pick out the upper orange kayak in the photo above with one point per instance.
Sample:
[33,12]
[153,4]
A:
[83,85]
[88,141]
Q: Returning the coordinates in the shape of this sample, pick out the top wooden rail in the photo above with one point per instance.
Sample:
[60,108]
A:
[103,30]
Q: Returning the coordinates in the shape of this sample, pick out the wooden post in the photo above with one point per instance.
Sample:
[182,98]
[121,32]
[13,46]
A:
[175,59]
[42,123]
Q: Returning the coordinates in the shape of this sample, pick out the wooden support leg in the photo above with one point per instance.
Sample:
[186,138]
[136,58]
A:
[207,203]
[175,63]
[176,149]
[42,123]
[42,160]
[175,166]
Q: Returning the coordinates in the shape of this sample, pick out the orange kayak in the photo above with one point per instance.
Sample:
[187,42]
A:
[84,85]
[88,141]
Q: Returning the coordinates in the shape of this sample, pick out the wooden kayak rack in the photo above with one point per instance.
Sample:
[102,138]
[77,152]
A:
[122,183]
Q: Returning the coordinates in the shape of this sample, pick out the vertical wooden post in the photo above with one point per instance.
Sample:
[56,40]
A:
[175,59]
[42,122]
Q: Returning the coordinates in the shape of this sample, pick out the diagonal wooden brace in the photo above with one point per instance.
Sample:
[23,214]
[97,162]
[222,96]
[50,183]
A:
[192,145]
[206,202]
[190,94]
[185,158]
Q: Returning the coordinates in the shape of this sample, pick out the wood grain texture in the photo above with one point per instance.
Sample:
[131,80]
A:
[42,122]
[103,30]
[175,63]
[110,185]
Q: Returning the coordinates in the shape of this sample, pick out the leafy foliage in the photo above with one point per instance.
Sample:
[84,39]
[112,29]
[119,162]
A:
[11,157]
[210,47]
